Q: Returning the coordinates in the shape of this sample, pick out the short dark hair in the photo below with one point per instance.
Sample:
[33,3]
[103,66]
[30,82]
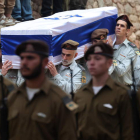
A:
[107,50]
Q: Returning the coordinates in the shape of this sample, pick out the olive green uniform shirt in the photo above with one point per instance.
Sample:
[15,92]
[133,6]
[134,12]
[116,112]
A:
[8,87]
[45,117]
[105,116]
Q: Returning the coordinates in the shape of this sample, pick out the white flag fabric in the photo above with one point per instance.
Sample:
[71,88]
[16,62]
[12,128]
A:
[76,25]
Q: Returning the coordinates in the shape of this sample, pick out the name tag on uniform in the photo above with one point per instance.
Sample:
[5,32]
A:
[122,55]
[68,75]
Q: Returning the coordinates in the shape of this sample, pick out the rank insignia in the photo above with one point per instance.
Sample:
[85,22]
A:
[137,52]
[114,62]
[69,103]
[83,79]
[102,37]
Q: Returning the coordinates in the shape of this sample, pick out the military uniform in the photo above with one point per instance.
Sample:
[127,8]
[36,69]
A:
[105,116]
[14,76]
[63,78]
[137,65]
[45,117]
[7,88]
[71,76]
[121,69]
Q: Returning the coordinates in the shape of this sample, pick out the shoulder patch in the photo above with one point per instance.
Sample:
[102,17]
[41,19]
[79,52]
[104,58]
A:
[137,52]
[69,103]
[83,73]
[132,45]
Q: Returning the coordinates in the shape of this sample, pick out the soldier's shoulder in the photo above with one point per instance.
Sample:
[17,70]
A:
[132,45]
[82,91]
[56,90]
[120,87]
[10,86]
[81,67]
[61,97]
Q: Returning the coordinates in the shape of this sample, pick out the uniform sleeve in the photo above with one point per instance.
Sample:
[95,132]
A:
[65,123]
[124,62]
[126,120]
[66,85]
[20,79]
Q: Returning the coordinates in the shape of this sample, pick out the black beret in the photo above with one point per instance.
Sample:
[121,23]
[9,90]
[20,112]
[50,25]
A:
[126,19]
[33,46]
[100,48]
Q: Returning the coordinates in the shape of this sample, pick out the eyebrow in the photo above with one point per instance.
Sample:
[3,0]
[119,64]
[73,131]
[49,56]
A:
[122,25]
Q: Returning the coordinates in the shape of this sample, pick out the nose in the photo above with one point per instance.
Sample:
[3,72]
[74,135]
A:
[23,61]
[91,62]
[65,57]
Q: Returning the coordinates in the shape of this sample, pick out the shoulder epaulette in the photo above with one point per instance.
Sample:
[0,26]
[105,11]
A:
[81,67]
[132,45]
[68,102]
[71,105]
[83,73]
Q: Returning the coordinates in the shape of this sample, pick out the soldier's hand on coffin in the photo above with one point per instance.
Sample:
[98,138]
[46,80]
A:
[110,41]
[6,66]
[52,69]
[85,49]
[137,43]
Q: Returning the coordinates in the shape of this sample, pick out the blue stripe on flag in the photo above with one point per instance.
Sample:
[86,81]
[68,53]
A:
[81,35]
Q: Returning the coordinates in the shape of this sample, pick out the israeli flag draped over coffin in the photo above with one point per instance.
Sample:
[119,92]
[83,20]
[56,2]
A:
[56,29]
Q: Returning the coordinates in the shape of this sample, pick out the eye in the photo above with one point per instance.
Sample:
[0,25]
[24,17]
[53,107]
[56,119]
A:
[30,57]
[117,24]
[68,55]
[21,58]
[122,26]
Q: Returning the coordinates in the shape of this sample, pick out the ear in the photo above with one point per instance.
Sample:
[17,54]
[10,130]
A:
[45,62]
[75,55]
[110,62]
[127,32]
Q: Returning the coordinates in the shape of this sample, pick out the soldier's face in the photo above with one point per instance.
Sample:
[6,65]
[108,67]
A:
[97,41]
[31,65]
[121,29]
[98,65]
[68,56]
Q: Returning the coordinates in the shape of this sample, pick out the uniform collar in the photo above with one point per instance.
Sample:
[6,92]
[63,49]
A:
[71,66]
[45,87]
[125,42]
[109,83]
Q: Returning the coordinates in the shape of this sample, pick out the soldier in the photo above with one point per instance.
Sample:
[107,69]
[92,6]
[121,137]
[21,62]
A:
[123,53]
[104,111]
[62,74]
[37,109]
[137,65]
[5,88]
[99,35]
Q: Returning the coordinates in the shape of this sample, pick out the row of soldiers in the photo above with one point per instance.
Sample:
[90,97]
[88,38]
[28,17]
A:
[100,110]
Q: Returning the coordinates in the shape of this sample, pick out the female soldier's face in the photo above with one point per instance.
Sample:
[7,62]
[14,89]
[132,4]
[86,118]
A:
[98,64]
